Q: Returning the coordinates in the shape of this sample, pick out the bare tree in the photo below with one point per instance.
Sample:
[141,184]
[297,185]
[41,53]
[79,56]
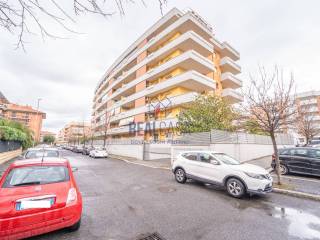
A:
[269,101]
[305,122]
[26,16]
[106,127]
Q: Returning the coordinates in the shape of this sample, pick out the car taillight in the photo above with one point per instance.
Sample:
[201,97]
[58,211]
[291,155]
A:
[72,195]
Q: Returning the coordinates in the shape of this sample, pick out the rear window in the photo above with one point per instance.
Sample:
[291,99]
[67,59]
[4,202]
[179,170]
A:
[36,175]
[41,153]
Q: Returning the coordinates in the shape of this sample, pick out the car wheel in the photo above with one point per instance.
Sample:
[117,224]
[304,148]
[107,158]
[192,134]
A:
[75,226]
[235,188]
[283,169]
[180,175]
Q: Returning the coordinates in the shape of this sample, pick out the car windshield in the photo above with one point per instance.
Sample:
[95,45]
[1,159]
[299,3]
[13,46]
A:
[226,159]
[41,153]
[31,175]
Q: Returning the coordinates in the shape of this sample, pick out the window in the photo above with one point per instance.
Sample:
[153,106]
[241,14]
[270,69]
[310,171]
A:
[314,154]
[226,159]
[285,151]
[41,153]
[205,157]
[300,152]
[23,176]
[190,156]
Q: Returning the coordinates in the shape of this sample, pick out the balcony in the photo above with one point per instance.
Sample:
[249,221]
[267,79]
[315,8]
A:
[190,60]
[228,65]
[228,51]
[187,41]
[232,96]
[230,81]
[175,101]
[190,80]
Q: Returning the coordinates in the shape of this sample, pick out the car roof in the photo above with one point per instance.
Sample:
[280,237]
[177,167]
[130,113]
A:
[38,161]
[200,151]
[41,149]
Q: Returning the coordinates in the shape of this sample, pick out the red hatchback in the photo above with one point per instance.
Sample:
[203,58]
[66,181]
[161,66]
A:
[38,196]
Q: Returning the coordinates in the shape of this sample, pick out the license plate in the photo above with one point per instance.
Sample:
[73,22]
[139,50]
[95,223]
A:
[32,204]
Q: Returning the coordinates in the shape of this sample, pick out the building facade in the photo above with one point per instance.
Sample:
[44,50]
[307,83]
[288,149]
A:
[26,115]
[74,133]
[46,133]
[309,103]
[172,63]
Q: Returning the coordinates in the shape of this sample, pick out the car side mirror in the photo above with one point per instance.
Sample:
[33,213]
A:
[74,169]
[214,162]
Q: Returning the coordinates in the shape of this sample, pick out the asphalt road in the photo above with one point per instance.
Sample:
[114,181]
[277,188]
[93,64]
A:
[124,201]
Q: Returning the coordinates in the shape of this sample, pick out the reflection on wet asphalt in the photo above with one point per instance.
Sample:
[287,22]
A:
[123,201]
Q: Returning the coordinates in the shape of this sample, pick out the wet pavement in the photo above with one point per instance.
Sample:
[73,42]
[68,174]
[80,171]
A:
[123,201]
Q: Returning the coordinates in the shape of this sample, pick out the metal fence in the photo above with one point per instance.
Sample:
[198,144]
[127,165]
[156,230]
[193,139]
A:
[219,136]
[6,146]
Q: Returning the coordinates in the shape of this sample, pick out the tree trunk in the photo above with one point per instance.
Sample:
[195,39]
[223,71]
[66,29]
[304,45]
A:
[105,139]
[276,155]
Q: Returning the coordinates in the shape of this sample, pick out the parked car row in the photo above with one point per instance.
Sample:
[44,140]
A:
[39,194]
[92,151]
[301,160]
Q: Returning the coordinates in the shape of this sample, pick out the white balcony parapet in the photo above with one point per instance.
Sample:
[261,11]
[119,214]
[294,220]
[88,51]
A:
[230,81]
[232,95]
[198,81]
[192,55]
[118,64]
[175,101]
[228,65]
[180,40]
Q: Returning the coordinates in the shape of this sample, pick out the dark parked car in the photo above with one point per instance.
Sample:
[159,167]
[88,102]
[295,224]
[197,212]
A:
[86,150]
[299,160]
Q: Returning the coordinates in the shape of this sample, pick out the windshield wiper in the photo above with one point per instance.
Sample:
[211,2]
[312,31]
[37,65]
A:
[27,183]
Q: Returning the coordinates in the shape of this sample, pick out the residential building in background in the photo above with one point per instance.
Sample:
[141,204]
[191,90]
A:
[173,62]
[309,102]
[46,133]
[25,114]
[73,133]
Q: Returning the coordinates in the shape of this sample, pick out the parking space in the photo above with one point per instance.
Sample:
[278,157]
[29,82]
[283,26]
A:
[123,201]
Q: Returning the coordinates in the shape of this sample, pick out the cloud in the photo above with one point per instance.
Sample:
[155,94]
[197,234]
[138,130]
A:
[64,73]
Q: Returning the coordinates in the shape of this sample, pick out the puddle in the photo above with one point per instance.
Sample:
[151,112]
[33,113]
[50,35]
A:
[301,224]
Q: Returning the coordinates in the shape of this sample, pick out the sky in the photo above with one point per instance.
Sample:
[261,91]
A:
[64,72]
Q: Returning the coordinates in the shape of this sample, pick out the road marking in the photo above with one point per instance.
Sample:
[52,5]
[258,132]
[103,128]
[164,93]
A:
[298,178]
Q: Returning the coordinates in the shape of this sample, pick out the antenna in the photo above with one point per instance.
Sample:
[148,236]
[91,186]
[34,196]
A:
[42,155]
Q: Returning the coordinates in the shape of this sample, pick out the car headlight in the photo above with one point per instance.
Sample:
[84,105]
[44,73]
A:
[256,176]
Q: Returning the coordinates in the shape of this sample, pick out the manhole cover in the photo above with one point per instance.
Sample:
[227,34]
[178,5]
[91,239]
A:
[166,189]
[152,236]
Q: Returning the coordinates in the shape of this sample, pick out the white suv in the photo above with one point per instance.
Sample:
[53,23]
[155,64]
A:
[221,169]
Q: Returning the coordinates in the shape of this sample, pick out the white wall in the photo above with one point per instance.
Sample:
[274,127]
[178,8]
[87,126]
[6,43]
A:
[245,152]
[126,150]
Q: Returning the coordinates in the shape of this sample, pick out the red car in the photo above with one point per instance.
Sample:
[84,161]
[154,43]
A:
[38,196]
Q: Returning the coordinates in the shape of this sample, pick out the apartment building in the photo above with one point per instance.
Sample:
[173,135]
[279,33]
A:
[74,132]
[173,62]
[309,102]
[43,134]
[24,114]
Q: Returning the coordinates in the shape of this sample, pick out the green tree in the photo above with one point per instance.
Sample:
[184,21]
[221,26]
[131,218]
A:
[49,139]
[15,131]
[253,127]
[205,113]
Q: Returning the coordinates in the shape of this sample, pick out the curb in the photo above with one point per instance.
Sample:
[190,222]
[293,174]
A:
[297,194]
